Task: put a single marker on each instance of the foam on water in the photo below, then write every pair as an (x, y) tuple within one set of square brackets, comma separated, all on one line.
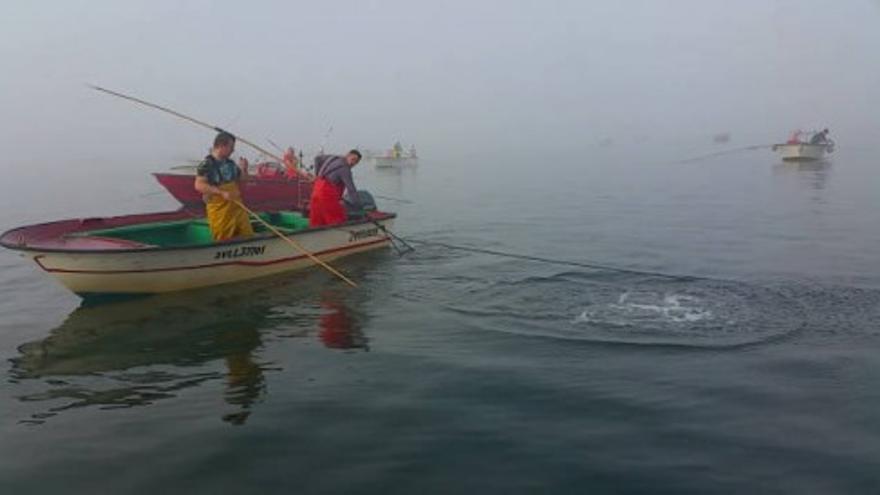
[(673, 308), (631, 310)]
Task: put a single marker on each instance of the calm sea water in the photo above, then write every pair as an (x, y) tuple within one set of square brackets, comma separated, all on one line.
[(457, 372)]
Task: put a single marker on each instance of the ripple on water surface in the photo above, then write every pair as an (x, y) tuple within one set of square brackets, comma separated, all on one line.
[(627, 309)]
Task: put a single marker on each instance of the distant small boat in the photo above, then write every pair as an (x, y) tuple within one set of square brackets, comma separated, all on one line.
[(395, 157), (391, 162), (721, 138), (171, 251)]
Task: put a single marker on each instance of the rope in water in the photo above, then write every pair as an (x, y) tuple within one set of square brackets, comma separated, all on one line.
[(725, 152), (552, 261)]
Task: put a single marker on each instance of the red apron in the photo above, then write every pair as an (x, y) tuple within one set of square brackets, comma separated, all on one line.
[(326, 208)]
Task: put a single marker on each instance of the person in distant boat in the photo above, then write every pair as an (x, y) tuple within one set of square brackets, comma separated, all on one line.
[(820, 137), (291, 169), (217, 178), (795, 138), (269, 170), (333, 177)]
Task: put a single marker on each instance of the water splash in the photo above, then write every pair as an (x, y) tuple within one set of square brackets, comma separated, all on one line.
[(644, 307)]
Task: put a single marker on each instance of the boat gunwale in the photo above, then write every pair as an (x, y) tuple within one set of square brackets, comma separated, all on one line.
[(247, 179), (153, 248), (819, 145)]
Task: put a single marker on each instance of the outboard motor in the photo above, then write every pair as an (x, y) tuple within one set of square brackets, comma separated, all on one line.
[(367, 201)]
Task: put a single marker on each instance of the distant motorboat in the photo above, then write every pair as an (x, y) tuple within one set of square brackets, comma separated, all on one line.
[(395, 157), (391, 162)]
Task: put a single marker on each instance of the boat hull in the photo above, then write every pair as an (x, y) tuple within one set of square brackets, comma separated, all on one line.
[(389, 162), (257, 193), (151, 271), (801, 152)]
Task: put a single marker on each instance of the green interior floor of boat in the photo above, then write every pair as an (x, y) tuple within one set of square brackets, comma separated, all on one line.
[(195, 231)]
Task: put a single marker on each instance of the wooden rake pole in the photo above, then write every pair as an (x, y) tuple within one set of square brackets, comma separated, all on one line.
[(194, 121), (297, 245)]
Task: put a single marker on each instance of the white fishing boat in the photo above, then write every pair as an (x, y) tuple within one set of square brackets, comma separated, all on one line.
[(391, 162), (172, 251), (800, 148), (395, 157), (802, 151)]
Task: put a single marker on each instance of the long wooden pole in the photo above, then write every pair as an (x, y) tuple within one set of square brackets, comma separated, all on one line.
[(297, 245), (192, 120)]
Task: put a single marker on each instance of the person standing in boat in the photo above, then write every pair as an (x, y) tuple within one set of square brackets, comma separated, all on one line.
[(291, 166), (820, 137), (333, 177), (795, 137), (217, 178)]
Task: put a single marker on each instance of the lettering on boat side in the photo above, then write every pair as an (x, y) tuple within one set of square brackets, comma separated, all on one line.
[(240, 252), (354, 235)]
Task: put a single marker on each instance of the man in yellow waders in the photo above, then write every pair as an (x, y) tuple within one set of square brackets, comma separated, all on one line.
[(217, 179)]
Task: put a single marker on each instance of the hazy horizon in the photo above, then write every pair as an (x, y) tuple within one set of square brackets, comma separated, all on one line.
[(450, 78)]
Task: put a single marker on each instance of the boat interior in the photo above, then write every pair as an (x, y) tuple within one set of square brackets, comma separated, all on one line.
[(192, 232)]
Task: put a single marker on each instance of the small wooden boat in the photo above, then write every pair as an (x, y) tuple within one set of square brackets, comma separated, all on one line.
[(260, 192), (170, 251), (801, 146), (803, 151)]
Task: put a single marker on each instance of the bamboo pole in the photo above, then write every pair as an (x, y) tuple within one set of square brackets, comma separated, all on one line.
[(194, 121), (297, 245)]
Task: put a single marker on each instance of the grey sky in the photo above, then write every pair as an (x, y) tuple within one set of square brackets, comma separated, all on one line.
[(442, 75)]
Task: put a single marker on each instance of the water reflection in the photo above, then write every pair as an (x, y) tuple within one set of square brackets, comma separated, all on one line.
[(339, 328), (813, 174), (136, 353)]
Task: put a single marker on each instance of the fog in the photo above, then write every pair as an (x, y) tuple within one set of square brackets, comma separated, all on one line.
[(453, 78)]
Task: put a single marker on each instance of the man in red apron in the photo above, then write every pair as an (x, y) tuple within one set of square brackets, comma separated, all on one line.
[(333, 179)]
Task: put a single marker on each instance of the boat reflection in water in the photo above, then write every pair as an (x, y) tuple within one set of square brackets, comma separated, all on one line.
[(814, 175), (338, 328), (138, 352)]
